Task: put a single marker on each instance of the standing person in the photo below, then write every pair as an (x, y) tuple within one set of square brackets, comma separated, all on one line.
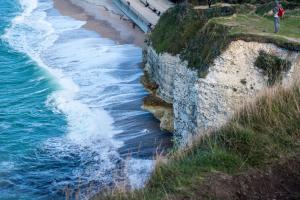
[(276, 17), (209, 3)]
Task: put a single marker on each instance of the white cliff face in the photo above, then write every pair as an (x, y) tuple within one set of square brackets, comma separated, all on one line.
[(202, 104), (161, 69)]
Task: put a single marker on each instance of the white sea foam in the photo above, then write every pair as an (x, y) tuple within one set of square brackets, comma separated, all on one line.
[(32, 34), (138, 171), (85, 66), (27, 6)]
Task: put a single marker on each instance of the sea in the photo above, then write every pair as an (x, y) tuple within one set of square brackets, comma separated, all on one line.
[(71, 123)]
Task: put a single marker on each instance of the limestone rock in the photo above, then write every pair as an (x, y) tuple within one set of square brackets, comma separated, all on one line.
[(202, 104)]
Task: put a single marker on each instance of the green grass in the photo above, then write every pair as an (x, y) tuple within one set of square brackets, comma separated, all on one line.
[(260, 134), (255, 24), (206, 45)]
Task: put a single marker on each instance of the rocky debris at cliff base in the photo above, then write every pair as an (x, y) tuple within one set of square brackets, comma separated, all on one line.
[(161, 110)]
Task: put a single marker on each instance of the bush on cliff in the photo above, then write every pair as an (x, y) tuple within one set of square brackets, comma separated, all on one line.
[(179, 25), (206, 46), (272, 66)]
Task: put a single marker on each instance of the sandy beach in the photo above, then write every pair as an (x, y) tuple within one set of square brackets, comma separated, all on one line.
[(104, 18)]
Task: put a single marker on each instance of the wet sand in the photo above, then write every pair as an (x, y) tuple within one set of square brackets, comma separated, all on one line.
[(104, 18)]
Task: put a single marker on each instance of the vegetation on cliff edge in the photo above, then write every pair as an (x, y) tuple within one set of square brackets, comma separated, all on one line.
[(199, 35), (250, 146)]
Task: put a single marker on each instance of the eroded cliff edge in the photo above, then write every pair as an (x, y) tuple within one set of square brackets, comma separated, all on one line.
[(189, 103), (202, 104)]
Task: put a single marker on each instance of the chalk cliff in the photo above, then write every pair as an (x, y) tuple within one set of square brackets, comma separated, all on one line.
[(203, 104)]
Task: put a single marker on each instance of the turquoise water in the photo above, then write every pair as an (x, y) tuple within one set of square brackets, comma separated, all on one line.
[(25, 120), (70, 116)]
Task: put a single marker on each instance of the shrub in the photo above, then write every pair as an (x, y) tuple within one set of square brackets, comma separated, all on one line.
[(272, 66), (206, 46), (179, 25)]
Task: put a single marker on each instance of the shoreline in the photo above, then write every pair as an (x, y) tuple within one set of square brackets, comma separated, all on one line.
[(104, 18)]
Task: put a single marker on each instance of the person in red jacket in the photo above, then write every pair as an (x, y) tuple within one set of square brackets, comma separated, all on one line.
[(278, 12)]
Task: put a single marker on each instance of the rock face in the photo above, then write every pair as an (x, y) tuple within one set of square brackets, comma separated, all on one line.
[(164, 114), (203, 104), (161, 110)]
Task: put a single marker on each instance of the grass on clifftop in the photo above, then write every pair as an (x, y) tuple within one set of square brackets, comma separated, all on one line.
[(264, 25), (200, 35), (262, 134)]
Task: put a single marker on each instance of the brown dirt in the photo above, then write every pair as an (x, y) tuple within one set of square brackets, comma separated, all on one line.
[(280, 181)]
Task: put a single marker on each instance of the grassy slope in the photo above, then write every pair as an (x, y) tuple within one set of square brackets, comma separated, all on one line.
[(261, 134)]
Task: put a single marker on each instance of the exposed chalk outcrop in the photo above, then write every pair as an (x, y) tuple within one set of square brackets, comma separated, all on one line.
[(202, 104)]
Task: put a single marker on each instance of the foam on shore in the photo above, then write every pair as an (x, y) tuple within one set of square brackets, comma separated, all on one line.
[(85, 68)]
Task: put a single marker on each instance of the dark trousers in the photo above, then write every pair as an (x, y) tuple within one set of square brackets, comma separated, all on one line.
[(276, 24), (209, 3)]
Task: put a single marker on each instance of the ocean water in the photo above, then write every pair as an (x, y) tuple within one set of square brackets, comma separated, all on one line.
[(70, 116)]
